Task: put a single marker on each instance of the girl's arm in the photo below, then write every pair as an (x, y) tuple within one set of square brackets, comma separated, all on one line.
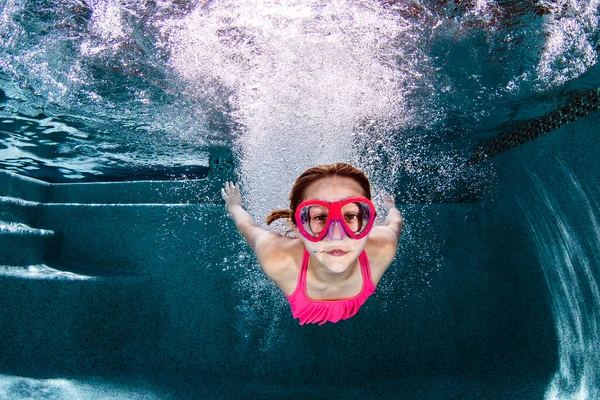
[(394, 220), (270, 248), (243, 221), (383, 240)]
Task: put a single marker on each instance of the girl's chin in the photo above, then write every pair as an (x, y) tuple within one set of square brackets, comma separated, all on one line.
[(336, 267)]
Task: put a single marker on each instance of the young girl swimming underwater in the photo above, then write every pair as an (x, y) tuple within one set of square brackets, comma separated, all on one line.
[(337, 258)]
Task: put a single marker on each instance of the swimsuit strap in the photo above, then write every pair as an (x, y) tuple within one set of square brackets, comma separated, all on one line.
[(303, 271), (365, 268)]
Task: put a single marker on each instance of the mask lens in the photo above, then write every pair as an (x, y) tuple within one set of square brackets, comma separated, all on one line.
[(357, 216), (313, 219)]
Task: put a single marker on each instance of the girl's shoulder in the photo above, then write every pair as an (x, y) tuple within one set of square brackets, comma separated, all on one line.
[(280, 258)]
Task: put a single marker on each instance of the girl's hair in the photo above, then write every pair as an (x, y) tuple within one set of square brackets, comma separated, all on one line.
[(312, 175)]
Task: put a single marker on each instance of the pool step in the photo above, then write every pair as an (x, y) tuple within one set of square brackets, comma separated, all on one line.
[(17, 210), (57, 317), (193, 191), (21, 244)]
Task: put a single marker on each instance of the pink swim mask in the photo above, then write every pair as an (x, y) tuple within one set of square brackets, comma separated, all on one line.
[(317, 218)]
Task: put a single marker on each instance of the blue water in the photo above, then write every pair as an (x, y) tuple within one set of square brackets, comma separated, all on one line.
[(494, 292)]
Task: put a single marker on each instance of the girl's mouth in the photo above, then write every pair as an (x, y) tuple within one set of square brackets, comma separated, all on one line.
[(337, 252)]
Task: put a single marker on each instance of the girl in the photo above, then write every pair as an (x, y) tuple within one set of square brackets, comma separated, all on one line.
[(337, 258)]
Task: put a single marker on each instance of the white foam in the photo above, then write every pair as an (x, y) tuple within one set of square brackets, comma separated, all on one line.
[(571, 30), (303, 77)]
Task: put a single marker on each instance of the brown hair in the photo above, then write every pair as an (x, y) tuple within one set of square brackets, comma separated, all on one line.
[(312, 175)]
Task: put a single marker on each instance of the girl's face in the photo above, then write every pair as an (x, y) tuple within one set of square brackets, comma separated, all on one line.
[(335, 252)]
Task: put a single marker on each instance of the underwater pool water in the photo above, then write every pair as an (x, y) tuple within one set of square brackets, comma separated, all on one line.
[(122, 277)]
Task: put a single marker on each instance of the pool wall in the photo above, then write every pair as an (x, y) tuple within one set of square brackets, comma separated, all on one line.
[(85, 269), (152, 277)]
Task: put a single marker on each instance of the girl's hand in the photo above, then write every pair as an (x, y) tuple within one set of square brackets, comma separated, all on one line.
[(388, 201), (231, 195)]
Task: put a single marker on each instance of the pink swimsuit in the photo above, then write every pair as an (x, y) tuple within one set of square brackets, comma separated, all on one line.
[(320, 311)]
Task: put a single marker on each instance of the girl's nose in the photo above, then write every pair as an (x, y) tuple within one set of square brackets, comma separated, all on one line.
[(336, 231)]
